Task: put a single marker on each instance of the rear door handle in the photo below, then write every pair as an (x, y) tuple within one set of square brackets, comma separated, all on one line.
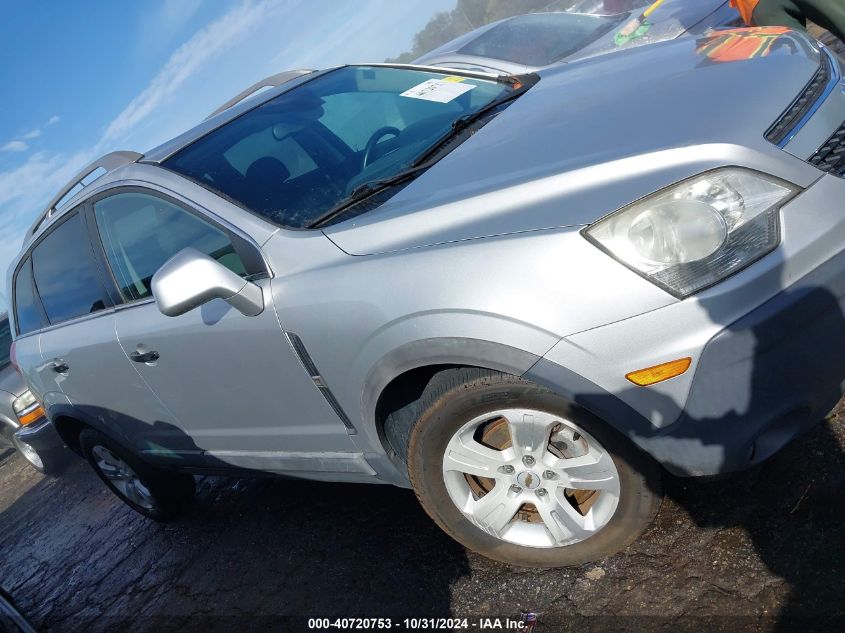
[(60, 366), (144, 357)]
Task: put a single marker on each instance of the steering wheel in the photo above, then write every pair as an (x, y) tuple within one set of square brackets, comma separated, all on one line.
[(379, 134)]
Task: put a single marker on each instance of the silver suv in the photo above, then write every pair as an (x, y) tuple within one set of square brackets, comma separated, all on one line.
[(522, 296)]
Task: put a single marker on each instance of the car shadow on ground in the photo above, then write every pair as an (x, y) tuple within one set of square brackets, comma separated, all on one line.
[(251, 550), (792, 510), (780, 366), (245, 552)]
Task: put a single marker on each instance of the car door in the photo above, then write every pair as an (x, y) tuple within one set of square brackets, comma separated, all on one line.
[(233, 382), (80, 354)]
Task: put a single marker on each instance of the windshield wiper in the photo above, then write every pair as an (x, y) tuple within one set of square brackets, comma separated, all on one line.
[(462, 123), (366, 190), (424, 160)]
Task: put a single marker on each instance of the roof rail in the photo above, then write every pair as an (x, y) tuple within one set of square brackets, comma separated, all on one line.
[(109, 162), (272, 81)]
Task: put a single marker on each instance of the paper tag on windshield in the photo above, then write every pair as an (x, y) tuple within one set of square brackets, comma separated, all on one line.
[(440, 90)]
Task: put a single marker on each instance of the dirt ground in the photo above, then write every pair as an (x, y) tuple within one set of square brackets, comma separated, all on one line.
[(761, 551)]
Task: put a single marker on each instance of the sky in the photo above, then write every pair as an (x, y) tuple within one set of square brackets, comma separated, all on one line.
[(79, 79)]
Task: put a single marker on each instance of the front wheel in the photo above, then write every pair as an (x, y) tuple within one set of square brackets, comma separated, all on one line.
[(514, 472), (156, 494)]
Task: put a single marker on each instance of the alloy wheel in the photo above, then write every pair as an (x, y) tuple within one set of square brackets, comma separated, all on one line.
[(531, 478), (122, 477)]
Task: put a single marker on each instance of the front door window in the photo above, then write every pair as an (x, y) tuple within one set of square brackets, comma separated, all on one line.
[(140, 232)]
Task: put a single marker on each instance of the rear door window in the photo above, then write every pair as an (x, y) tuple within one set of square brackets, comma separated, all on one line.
[(140, 232), (27, 313), (66, 274)]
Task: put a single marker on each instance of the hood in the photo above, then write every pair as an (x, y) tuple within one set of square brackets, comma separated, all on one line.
[(593, 136)]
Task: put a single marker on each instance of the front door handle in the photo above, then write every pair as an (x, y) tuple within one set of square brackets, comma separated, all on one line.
[(144, 357), (60, 366)]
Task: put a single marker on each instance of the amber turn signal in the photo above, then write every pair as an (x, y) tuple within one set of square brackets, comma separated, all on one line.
[(32, 416), (659, 373), (27, 408)]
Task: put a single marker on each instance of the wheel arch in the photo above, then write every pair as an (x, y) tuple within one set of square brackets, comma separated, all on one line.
[(70, 421), (69, 429), (404, 373), (400, 376)]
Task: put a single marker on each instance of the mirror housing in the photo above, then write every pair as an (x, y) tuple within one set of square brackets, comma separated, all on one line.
[(190, 279)]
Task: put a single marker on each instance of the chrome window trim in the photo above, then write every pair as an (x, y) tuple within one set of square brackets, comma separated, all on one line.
[(73, 321), (134, 304)]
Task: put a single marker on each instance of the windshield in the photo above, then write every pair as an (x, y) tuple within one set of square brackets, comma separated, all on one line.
[(5, 341), (540, 39), (303, 153)]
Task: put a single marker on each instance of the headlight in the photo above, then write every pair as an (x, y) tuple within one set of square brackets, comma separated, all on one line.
[(697, 232), (27, 408)]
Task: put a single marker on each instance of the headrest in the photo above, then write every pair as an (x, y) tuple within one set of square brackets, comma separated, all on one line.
[(268, 168)]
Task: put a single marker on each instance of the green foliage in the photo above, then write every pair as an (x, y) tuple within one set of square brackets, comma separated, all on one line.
[(468, 15)]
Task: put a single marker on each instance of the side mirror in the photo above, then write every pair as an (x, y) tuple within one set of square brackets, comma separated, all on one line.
[(189, 279)]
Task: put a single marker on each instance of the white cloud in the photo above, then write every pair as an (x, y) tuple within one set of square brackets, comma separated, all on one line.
[(257, 38), (165, 20), (176, 13), (18, 146), (187, 60), (14, 146), (25, 189), (42, 172)]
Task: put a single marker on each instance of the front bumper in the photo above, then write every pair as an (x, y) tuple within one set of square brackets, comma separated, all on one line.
[(760, 382), (759, 377), (41, 436), (780, 370)]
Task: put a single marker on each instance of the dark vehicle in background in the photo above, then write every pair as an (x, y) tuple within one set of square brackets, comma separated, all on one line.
[(564, 32), (23, 425)]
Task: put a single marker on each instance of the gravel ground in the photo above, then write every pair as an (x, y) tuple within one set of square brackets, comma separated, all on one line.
[(763, 551)]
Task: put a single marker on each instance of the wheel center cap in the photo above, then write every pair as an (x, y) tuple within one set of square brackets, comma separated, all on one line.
[(528, 480)]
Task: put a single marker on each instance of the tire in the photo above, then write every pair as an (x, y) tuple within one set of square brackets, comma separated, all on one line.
[(51, 463), (464, 407), (161, 495)]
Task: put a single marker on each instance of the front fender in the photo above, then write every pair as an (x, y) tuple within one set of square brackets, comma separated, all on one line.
[(439, 351), (443, 350)]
